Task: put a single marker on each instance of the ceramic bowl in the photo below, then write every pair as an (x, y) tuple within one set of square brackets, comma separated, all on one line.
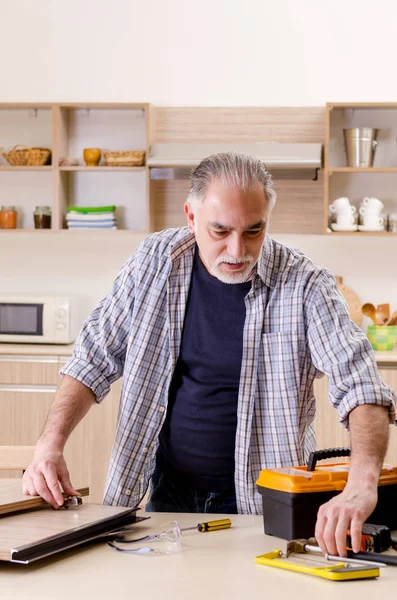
[(382, 337), (92, 156)]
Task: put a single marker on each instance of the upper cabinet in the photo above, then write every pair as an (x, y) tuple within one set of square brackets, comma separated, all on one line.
[(149, 195), (360, 169), (66, 180), (288, 140), (25, 186)]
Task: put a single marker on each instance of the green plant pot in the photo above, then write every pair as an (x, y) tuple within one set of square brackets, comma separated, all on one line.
[(382, 337)]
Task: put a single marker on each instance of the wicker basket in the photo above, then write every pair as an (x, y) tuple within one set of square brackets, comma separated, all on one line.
[(22, 156), (128, 158)]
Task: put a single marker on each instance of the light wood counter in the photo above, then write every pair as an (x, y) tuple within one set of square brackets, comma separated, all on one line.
[(218, 565), (386, 358), (37, 349), (66, 350)]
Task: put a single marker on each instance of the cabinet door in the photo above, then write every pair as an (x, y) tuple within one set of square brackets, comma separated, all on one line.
[(87, 451), (27, 389), (23, 411), (329, 432), (29, 370)]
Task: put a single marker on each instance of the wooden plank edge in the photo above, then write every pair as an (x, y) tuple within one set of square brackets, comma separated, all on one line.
[(33, 502)]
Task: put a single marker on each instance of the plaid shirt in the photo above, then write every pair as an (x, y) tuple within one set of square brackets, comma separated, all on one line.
[(297, 328)]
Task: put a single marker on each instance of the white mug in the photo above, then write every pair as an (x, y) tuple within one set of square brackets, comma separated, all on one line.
[(373, 204), (369, 210), (345, 219), (373, 221), (341, 204), (348, 210)]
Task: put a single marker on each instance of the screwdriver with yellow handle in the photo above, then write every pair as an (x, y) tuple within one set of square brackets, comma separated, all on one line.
[(210, 525), (203, 527)]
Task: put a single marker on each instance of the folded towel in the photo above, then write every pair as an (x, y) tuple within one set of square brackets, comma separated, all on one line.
[(91, 209), (75, 216), (91, 222), (91, 226), (85, 227)]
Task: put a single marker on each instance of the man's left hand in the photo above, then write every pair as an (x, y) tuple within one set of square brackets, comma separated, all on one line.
[(347, 510)]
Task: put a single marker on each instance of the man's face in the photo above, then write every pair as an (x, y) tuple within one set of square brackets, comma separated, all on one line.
[(230, 227)]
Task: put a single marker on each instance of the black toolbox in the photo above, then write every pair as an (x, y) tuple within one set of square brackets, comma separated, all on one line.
[(291, 496)]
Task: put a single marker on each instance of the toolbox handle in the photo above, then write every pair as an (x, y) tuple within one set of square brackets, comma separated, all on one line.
[(323, 454)]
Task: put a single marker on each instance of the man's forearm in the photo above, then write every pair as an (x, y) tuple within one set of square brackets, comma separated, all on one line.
[(72, 402), (369, 433), (369, 436)]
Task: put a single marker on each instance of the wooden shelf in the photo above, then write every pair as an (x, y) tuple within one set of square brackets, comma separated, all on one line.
[(68, 128), (77, 231), (93, 230), (103, 168), (22, 230), (361, 105), (331, 170), (101, 105), (363, 233), (10, 168), (145, 205), (344, 181)]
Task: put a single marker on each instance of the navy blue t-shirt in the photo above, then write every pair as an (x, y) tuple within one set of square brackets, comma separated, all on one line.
[(197, 440)]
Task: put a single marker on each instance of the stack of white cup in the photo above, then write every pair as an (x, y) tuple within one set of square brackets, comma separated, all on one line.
[(344, 215), (370, 211)]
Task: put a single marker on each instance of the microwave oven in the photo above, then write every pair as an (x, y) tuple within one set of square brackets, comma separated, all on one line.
[(38, 319)]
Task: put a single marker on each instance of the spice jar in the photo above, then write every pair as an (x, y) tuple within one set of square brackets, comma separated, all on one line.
[(393, 223), (42, 217), (8, 217)]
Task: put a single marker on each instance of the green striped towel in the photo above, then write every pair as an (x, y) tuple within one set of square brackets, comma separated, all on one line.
[(91, 209)]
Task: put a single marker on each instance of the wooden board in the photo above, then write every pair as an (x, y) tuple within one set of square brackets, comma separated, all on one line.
[(31, 535), (238, 124), (12, 499)]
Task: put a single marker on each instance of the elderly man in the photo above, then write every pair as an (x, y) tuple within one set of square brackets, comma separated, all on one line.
[(219, 333)]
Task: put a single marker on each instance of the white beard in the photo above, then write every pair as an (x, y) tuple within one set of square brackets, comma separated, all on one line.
[(238, 277)]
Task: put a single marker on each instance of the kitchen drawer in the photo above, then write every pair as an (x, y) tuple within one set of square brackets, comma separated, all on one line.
[(30, 369)]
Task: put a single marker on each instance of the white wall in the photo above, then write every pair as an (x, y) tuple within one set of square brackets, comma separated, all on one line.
[(207, 52), (86, 266)]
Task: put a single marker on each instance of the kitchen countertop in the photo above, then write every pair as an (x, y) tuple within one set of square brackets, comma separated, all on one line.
[(37, 349), (388, 358), (218, 565)]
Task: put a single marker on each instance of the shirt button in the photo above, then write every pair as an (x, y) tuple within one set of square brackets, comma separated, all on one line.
[(128, 493), (145, 450), (161, 408)]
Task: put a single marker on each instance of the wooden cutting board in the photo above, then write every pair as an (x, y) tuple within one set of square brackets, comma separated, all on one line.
[(353, 301), (12, 499)]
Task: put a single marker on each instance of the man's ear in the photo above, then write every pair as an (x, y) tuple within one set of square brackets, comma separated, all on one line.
[(190, 217)]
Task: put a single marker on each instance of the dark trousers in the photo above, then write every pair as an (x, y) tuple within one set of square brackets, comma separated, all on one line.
[(169, 494)]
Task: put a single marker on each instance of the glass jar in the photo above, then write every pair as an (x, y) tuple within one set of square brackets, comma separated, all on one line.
[(393, 222), (8, 217), (42, 217)]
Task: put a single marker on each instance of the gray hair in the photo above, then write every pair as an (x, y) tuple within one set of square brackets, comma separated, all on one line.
[(240, 171)]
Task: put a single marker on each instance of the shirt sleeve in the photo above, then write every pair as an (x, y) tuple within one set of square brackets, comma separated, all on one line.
[(99, 352), (341, 350)]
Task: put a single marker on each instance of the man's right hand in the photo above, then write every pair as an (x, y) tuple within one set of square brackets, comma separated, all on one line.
[(45, 476)]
